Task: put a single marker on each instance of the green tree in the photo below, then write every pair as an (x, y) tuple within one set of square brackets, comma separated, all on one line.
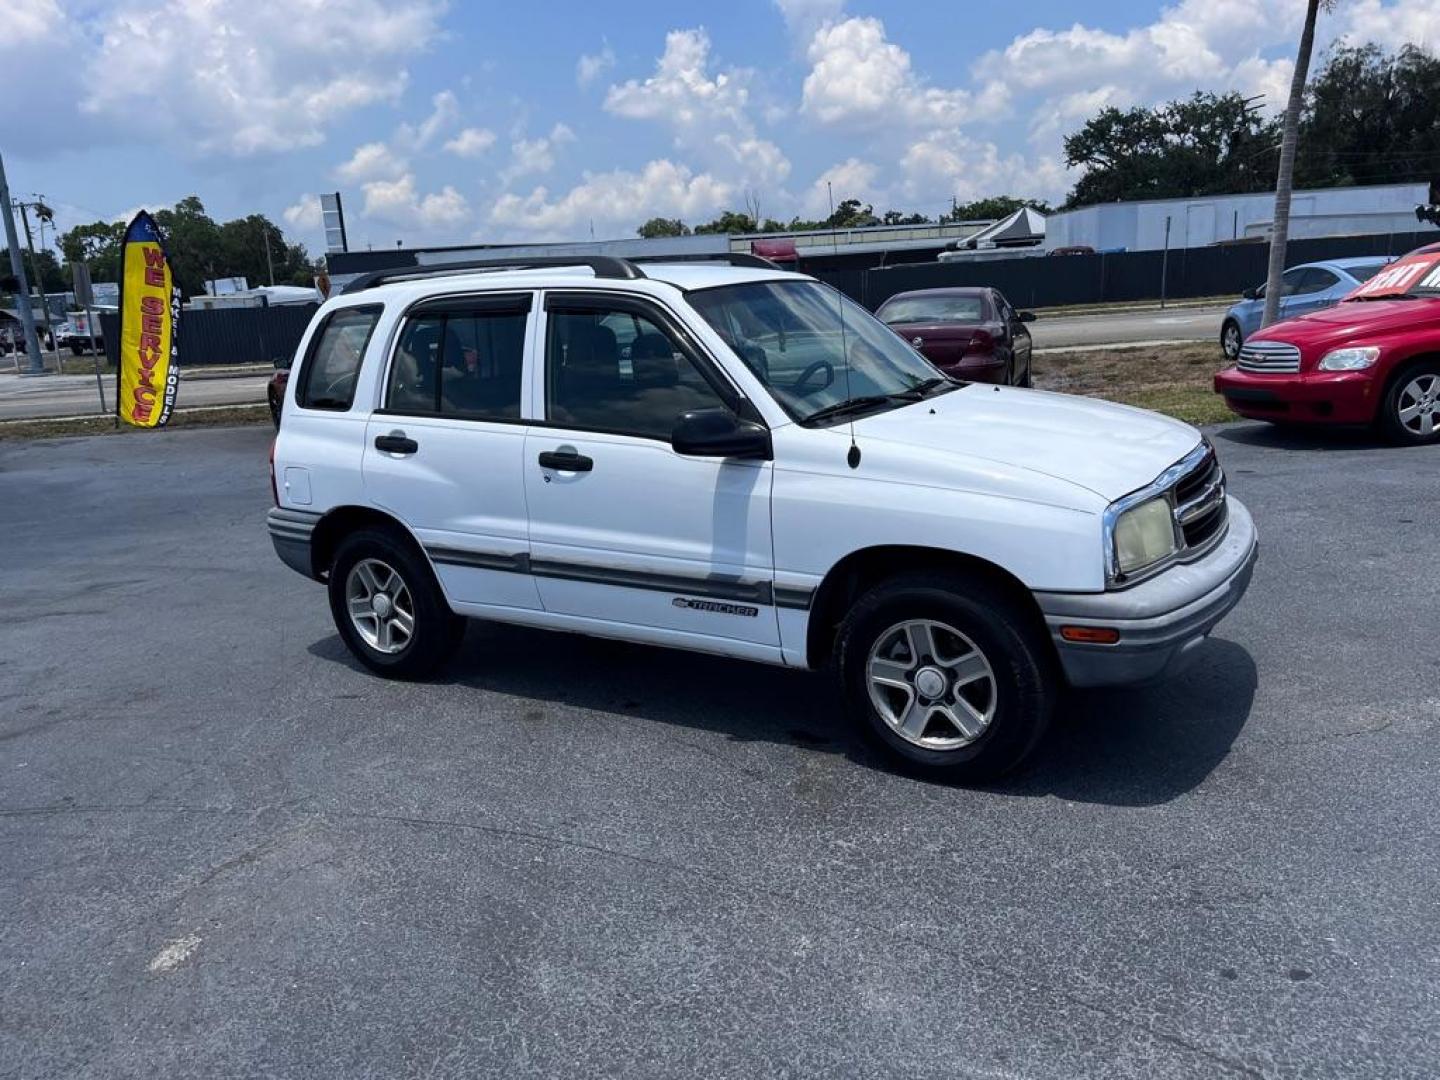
[(1204, 144), (731, 221), (96, 244), (993, 208), (896, 217), (659, 226), (1369, 118), (851, 214)]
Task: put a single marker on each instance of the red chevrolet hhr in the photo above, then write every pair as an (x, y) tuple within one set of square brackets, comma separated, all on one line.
[(1373, 358)]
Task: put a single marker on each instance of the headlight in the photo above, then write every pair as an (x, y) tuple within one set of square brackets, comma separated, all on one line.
[(1349, 359), (1144, 534)]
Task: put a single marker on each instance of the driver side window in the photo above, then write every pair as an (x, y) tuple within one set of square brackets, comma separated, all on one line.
[(333, 366), (592, 384)]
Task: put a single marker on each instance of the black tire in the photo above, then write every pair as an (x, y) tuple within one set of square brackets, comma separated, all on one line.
[(274, 408), (77, 350), (1028, 379), (1021, 662), (1400, 391), (1231, 339), (436, 629)]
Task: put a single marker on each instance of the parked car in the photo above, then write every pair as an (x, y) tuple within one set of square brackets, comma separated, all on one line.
[(968, 333), (779, 478), (1372, 359), (275, 390), (1303, 289)]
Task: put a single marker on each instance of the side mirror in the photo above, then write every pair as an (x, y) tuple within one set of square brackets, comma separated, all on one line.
[(720, 433), (1027, 316), (1250, 294)]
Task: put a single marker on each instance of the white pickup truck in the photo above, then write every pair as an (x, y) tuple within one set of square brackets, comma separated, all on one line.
[(733, 459)]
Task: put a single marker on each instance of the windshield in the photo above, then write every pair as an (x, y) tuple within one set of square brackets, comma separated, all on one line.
[(1365, 271), (1416, 275), (933, 309), (815, 349)]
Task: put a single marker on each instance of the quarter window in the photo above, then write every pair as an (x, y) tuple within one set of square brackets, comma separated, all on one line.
[(334, 364), (460, 363), (641, 388)]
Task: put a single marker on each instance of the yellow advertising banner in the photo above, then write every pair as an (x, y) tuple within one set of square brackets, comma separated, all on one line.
[(149, 328)]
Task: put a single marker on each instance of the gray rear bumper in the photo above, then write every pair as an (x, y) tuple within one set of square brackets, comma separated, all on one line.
[(1161, 621), (290, 532)]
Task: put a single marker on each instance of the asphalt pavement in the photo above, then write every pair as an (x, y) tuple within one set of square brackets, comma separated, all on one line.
[(1129, 327), (23, 397), (228, 851)]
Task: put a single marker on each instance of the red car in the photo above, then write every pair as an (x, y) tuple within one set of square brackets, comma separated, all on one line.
[(968, 333), (275, 392), (1373, 358)]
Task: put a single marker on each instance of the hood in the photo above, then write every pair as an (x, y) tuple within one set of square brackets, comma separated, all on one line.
[(1108, 449), (1354, 320)]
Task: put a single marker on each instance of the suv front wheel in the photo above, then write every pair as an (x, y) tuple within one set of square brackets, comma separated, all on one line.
[(948, 674), (388, 606)]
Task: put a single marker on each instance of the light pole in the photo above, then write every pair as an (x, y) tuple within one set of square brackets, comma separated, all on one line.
[(17, 267), (35, 263)]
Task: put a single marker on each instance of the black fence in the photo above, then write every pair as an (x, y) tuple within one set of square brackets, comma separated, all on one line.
[(249, 335), (1058, 280)]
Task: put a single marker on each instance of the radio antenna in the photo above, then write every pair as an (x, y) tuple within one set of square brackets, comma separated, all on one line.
[(852, 458)]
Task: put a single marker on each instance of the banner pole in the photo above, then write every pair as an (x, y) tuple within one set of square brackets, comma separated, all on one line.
[(95, 354)]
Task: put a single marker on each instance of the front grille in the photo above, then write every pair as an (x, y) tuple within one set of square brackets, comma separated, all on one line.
[(1199, 501), (1269, 358)]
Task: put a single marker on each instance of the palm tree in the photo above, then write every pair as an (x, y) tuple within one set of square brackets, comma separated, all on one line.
[(1280, 227)]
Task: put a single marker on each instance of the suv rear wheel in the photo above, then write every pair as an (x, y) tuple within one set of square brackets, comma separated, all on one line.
[(1410, 412), (948, 674), (388, 606)]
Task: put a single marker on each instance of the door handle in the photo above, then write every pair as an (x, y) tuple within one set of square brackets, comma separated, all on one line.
[(396, 443), (565, 461)]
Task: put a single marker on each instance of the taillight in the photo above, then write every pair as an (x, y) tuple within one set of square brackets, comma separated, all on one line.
[(274, 489), (980, 342)]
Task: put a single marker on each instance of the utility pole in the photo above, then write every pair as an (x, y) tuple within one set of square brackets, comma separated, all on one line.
[(265, 231), (1165, 262), (17, 267), (35, 269)]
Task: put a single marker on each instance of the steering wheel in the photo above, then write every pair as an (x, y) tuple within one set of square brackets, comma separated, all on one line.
[(804, 377)]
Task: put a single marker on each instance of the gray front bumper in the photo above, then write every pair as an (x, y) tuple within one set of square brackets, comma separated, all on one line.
[(1161, 621)]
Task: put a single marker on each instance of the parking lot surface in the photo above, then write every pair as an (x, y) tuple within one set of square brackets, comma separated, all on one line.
[(227, 851)]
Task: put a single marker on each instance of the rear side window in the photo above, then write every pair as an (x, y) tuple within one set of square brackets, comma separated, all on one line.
[(459, 361), (333, 366)]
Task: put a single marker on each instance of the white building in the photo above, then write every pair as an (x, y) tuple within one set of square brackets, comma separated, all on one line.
[(1212, 219)]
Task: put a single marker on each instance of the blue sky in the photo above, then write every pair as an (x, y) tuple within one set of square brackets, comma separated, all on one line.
[(452, 122)]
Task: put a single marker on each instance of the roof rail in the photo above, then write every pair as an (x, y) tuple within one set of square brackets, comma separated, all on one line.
[(734, 258), (605, 266)]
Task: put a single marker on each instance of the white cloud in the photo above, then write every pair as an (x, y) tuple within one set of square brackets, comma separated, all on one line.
[(707, 111), (243, 79), (472, 142), (530, 157), (949, 164), (304, 214), (616, 202), (369, 161), (849, 179), (591, 66), (1392, 26), (861, 80), (397, 202), (444, 114), (804, 17)]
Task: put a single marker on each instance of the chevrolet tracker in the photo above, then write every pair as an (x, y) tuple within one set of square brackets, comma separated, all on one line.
[(729, 458)]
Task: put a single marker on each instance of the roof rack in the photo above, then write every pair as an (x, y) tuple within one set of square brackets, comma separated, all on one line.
[(734, 258), (605, 266)]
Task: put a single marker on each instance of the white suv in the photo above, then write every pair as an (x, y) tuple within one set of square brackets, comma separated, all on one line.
[(733, 459)]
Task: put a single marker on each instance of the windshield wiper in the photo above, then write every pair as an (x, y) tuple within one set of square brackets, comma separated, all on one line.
[(849, 405), (920, 389)]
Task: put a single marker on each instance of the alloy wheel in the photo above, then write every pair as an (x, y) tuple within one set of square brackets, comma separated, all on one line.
[(1418, 405), (931, 684), (1230, 341), (381, 608)]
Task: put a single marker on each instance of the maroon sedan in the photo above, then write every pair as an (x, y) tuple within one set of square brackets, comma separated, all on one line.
[(968, 333)]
